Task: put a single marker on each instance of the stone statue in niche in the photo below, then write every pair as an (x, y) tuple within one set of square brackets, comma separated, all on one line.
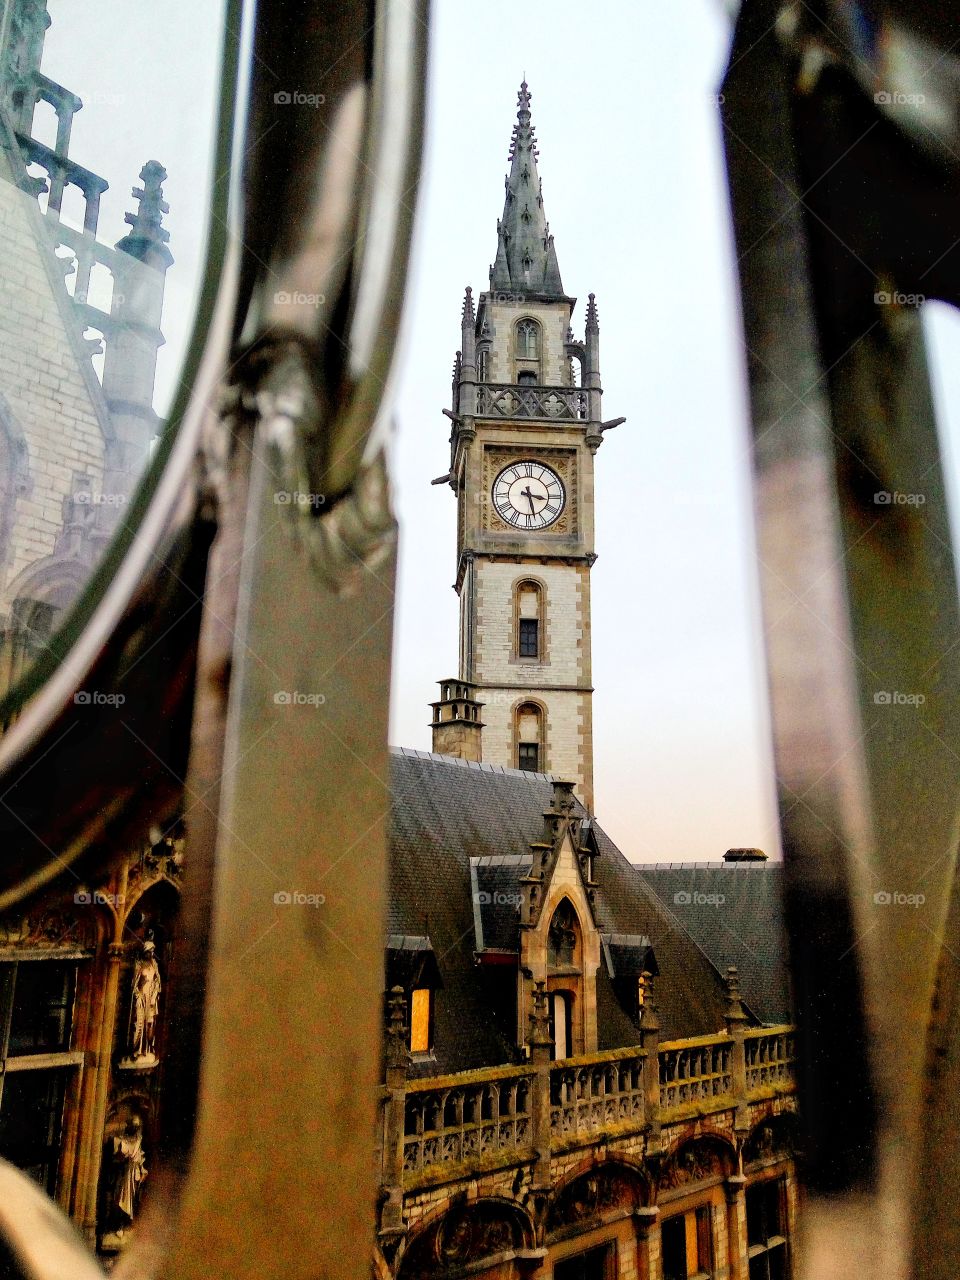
[(144, 1010), (127, 1172)]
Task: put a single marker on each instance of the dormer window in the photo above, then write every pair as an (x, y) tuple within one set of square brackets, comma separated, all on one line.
[(412, 966), (562, 938), (421, 1020)]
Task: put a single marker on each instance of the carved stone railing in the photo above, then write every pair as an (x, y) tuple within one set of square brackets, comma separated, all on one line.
[(556, 404), (478, 1120), (463, 1118), (770, 1056), (695, 1070), (596, 1092)]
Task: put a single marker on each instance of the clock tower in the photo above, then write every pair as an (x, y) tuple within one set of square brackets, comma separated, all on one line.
[(526, 427)]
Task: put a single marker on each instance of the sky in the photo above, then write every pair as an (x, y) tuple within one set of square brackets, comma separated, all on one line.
[(624, 104)]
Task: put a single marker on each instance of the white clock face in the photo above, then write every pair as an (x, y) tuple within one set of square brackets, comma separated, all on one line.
[(528, 495)]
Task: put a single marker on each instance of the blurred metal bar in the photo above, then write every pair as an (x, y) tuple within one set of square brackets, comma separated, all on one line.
[(839, 215)]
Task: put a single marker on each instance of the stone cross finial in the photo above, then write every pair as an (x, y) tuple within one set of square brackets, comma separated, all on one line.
[(735, 1010), (397, 1054), (540, 1018), (649, 1021), (146, 225)]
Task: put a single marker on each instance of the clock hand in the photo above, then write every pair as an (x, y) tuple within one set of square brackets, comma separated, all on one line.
[(529, 497)]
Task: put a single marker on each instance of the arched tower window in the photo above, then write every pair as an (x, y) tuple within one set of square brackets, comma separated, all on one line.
[(528, 621), (483, 360), (529, 737), (528, 348)]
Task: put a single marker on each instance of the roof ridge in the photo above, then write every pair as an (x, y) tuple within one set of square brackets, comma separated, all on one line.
[(482, 766)]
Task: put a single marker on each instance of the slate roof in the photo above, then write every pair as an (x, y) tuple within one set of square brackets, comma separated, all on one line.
[(734, 910), (446, 812)]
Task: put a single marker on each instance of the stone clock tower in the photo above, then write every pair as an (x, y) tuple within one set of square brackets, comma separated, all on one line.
[(526, 426)]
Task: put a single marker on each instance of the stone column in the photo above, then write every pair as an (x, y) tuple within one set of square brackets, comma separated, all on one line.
[(647, 1221), (735, 1187), (540, 1046), (395, 1095), (97, 1094), (736, 1019), (650, 1042)]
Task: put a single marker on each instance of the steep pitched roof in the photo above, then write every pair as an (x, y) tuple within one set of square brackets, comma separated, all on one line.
[(734, 911), (446, 812)]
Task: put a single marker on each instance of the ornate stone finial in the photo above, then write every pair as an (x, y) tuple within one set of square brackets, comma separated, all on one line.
[(593, 319), (147, 235), (649, 1020), (468, 312), (540, 1036), (735, 1010), (397, 1054)]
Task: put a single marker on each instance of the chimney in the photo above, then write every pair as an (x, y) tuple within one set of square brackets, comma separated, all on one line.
[(745, 855), (456, 721)]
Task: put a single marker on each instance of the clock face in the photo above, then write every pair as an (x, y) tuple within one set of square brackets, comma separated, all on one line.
[(528, 495)]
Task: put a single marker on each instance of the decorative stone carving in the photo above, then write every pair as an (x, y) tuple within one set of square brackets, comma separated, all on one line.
[(144, 1010), (127, 1171), (771, 1140), (695, 1162), (592, 1195), (47, 926), (462, 1238)]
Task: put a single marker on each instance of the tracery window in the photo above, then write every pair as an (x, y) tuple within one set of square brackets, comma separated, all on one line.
[(563, 936), (528, 340)]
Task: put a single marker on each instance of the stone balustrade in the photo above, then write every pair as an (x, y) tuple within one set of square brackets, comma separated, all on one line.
[(510, 400), (488, 1118)]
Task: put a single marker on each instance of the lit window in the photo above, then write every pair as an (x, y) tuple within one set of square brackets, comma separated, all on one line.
[(560, 1024), (686, 1245), (421, 1011)]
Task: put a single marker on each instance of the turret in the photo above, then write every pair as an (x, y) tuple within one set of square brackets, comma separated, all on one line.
[(456, 721)]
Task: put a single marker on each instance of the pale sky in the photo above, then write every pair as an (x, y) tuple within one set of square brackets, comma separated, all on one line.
[(630, 157)]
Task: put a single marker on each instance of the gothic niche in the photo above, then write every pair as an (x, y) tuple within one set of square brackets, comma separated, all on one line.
[(590, 1197), (562, 937), (151, 922), (696, 1162), (464, 1236), (124, 1172)]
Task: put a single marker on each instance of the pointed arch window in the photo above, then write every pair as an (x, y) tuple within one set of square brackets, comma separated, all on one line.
[(561, 1024), (528, 340), (563, 937), (529, 737)]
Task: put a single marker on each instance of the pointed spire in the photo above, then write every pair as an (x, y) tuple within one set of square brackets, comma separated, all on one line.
[(526, 260), (468, 313), (593, 319)]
